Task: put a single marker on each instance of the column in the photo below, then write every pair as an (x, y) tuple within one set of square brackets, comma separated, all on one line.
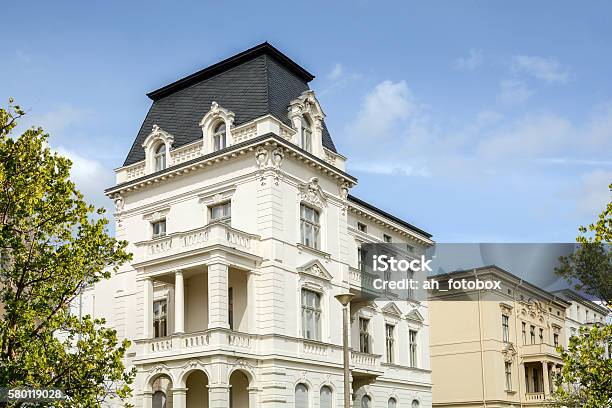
[(148, 308), (252, 396), (545, 379), (179, 397), (218, 396), (217, 295), (179, 302), (251, 304), (147, 399)]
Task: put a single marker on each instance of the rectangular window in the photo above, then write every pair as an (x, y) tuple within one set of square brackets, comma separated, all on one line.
[(362, 227), (508, 367), (364, 335), (160, 318), (532, 334), (159, 228), (230, 307), (556, 339), (221, 212), (506, 328), (360, 263), (524, 333), (390, 342), (387, 238), (311, 315), (307, 139), (309, 225), (219, 140), (412, 337), (541, 336)]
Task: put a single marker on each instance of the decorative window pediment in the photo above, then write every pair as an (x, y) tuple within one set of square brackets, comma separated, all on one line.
[(216, 116), (306, 117), (316, 270), (158, 140), (312, 193), (415, 316), (392, 309), (156, 215)]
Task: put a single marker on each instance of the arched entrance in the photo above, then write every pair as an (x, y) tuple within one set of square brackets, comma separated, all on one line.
[(197, 389), (161, 391), (239, 390)]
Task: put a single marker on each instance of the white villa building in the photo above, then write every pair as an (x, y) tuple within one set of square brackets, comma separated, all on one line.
[(236, 207)]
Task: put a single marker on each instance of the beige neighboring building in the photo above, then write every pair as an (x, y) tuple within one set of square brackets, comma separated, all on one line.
[(494, 348)]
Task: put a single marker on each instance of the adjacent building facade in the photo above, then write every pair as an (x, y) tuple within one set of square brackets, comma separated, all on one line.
[(497, 348), (236, 206)]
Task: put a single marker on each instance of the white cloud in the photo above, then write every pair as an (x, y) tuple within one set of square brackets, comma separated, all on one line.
[(513, 91), (546, 69), (336, 72), (57, 120), (387, 105), (388, 168), (593, 192), (470, 62), (90, 177)]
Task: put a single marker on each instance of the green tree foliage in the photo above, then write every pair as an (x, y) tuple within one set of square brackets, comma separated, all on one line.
[(589, 268), (586, 376), (53, 244)]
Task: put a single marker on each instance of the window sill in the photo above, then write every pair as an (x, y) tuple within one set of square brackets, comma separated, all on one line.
[(305, 248), (512, 392)]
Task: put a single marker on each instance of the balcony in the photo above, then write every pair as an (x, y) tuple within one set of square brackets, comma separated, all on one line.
[(534, 352), (534, 396), (366, 363), (361, 280), (210, 235), (187, 343)]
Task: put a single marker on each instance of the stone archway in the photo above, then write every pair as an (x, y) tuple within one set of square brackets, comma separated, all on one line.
[(196, 383), (239, 389), (159, 392)]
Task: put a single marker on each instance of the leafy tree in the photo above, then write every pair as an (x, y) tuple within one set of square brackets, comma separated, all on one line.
[(586, 376), (52, 245), (589, 268)]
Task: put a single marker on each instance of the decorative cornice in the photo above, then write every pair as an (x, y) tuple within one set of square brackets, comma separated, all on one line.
[(232, 152)]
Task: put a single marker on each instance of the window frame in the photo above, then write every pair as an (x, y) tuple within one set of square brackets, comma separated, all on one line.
[(505, 328), (160, 161), (306, 134), (155, 225), (219, 137), (311, 313), (225, 218), (508, 375), (163, 317), (413, 345), (364, 335), (310, 226), (390, 343)]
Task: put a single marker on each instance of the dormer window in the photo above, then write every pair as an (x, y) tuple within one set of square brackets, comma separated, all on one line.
[(160, 157), (219, 137), (306, 135)]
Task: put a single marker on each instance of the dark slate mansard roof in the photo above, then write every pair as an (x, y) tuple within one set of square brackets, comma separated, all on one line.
[(254, 83)]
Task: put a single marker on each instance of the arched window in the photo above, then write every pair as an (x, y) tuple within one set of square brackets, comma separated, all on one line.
[(219, 136), (301, 396), (366, 401), (416, 404), (160, 157), (392, 403), (159, 399), (306, 135), (326, 397)]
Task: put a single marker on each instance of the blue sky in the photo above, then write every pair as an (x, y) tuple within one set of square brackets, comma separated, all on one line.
[(477, 121)]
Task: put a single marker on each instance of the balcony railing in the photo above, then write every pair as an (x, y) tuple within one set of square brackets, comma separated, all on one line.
[(365, 361), (194, 342), (216, 233), (535, 396), (541, 349), (361, 279)]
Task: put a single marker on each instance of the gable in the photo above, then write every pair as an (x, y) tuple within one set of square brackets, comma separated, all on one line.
[(316, 270)]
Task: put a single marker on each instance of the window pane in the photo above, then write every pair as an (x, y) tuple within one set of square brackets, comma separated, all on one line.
[(366, 402), (301, 396), (392, 403), (326, 397)]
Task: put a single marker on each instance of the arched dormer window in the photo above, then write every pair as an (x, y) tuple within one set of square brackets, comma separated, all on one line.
[(306, 134), (157, 150), (219, 136), (160, 157)]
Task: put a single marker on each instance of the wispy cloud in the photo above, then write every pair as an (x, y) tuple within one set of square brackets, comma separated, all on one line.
[(513, 91), (546, 69), (592, 192), (336, 72), (473, 60)]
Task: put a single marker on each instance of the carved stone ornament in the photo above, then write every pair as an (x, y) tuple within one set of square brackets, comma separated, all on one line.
[(269, 163), (119, 204), (509, 353), (312, 193), (344, 191)]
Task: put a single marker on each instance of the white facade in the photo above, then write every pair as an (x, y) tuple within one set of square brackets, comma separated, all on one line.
[(581, 313), (280, 345)]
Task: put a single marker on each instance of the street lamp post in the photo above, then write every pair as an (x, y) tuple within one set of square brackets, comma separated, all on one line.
[(344, 300)]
